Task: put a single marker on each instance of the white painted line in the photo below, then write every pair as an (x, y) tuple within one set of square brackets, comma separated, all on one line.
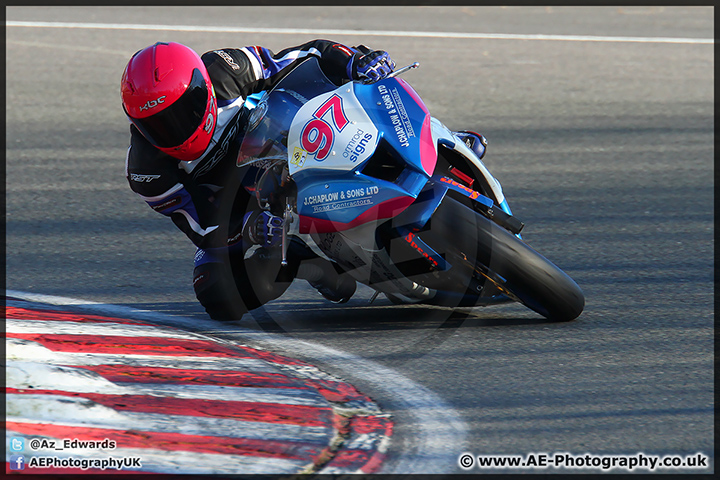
[(366, 33), (26, 375), (438, 431), (89, 328), (278, 396), (54, 300), (29, 351), (80, 412), (439, 434)]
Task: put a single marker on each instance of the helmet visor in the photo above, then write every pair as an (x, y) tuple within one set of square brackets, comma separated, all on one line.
[(178, 122)]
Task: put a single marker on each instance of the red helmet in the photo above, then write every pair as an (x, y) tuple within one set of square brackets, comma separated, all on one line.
[(168, 96)]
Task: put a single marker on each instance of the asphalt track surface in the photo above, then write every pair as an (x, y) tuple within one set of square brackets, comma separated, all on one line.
[(604, 149)]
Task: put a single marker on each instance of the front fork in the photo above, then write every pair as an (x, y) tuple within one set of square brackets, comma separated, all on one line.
[(274, 193), (287, 220)]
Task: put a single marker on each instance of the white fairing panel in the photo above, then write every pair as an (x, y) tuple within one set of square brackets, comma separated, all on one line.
[(331, 131), (441, 131)]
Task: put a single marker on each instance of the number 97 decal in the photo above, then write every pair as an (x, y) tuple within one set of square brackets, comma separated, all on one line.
[(318, 136)]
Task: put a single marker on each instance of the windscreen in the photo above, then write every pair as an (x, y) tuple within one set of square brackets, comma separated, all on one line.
[(269, 122)]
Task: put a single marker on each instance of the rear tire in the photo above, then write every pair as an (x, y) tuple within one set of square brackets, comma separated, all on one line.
[(528, 276)]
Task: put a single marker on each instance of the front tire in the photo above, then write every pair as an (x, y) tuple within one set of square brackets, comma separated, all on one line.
[(510, 264)]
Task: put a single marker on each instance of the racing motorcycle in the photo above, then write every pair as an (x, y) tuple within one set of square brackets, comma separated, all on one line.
[(369, 179)]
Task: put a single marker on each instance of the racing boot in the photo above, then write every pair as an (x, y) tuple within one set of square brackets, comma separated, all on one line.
[(328, 279), (476, 142)]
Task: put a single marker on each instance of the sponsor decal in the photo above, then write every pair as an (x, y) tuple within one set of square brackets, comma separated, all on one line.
[(333, 105), (209, 123), (398, 115), (168, 204), (143, 178), (325, 197), (410, 239), (228, 59), (471, 193), (153, 103), (357, 145), (344, 49), (298, 157), (331, 201), (199, 279), (362, 202), (222, 149), (318, 136)]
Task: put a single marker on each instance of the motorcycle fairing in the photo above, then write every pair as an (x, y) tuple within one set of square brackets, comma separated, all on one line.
[(419, 213), (445, 137), (394, 103), (330, 132), (332, 155)]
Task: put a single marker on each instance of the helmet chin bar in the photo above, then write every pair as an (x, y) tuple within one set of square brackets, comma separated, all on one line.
[(167, 93), (206, 130)]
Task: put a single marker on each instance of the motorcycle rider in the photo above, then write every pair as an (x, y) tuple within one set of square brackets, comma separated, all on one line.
[(187, 121)]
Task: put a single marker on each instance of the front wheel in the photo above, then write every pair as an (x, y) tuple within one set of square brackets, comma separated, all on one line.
[(501, 258)]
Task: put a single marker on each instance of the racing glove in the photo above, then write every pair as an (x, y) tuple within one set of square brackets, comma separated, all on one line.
[(370, 65), (262, 228)]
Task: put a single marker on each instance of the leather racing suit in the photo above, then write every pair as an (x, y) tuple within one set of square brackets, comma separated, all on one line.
[(190, 192)]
